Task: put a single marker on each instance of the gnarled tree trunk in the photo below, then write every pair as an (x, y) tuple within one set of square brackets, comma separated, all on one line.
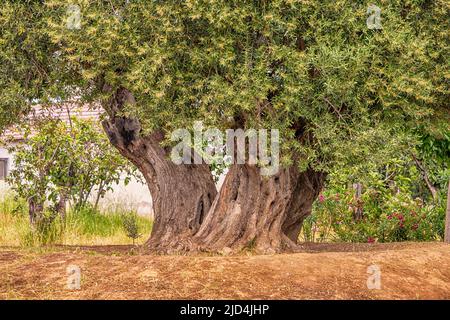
[(308, 187), (262, 213), (257, 212), (182, 194)]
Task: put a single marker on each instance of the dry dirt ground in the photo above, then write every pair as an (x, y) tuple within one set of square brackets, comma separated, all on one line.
[(326, 271)]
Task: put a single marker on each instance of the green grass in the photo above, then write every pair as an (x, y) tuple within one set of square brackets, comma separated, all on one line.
[(83, 227)]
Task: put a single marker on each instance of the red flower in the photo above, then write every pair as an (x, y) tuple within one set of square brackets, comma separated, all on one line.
[(370, 240), (321, 198)]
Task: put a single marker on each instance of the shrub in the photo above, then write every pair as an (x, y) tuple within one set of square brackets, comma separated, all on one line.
[(60, 163), (131, 226), (387, 218)]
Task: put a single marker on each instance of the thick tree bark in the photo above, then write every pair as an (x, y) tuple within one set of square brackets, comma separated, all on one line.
[(257, 212), (261, 213), (182, 194), (308, 187)]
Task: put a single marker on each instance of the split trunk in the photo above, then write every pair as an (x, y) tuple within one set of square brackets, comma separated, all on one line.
[(251, 210), (261, 213)]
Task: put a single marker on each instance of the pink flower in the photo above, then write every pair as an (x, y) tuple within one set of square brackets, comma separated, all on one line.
[(321, 198), (370, 240)]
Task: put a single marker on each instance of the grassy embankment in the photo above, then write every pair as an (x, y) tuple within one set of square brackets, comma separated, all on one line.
[(85, 227)]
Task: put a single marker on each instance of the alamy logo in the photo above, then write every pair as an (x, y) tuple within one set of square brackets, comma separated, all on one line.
[(374, 19), (208, 146), (374, 279), (73, 277), (73, 17)]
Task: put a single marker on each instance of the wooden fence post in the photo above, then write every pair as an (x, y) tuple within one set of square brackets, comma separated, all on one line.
[(358, 210)]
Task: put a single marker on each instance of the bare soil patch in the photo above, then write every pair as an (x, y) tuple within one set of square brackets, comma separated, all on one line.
[(322, 271)]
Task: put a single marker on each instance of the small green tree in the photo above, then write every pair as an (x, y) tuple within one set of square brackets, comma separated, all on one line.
[(131, 226), (58, 163)]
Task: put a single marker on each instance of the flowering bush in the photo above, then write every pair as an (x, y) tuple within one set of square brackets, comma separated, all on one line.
[(386, 217), (396, 202)]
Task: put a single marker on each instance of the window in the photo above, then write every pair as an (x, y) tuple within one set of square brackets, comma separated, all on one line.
[(3, 168)]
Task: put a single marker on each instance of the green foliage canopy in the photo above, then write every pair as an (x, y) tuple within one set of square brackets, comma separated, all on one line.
[(339, 92)]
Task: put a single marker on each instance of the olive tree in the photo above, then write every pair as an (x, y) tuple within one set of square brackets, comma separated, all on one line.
[(342, 81)]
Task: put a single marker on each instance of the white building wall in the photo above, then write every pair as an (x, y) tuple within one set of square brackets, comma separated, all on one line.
[(134, 196), (4, 154)]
